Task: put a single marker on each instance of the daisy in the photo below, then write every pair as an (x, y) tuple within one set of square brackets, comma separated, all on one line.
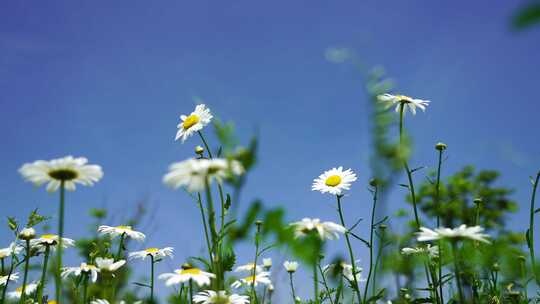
[(68, 170), (347, 271), (325, 230), (248, 268), (185, 274), (197, 120), (267, 263), (461, 233), (12, 277), (125, 231), (408, 103), (84, 268), (109, 265), (27, 233), (50, 240), (12, 249), (334, 181), (260, 278), (194, 174), (155, 253), (99, 301), (290, 266), (17, 293), (220, 297), (431, 251)]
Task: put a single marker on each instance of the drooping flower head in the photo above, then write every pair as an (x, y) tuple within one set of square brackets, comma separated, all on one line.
[(154, 252), (125, 231), (187, 273), (194, 174), (197, 120), (220, 297), (86, 269), (68, 170), (262, 277), (17, 293), (407, 102), (334, 181), (460, 233), (50, 240), (325, 230)]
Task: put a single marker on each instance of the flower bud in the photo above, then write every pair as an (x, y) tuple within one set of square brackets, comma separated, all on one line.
[(267, 263), (27, 234), (477, 201), (199, 150), (440, 146)]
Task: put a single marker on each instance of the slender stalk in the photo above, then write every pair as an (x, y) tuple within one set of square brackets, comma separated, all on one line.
[(370, 243), (151, 279), (57, 278), (191, 291), (11, 268), (292, 286), (85, 288), (264, 295), (120, 246), (42, 282), (531, 230), (213, 234), (438, 205), (254, 271), (325, 284), (339, 289), (315, 284), (351, 254), (3, 266), (523, 269), (457, 272), (26, 266), (206, 237), (205, 144)]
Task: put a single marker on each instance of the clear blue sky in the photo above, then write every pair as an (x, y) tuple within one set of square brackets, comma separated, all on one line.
[(108, 80)]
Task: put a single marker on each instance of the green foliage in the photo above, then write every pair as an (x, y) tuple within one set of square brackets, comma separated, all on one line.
[(527, 16)]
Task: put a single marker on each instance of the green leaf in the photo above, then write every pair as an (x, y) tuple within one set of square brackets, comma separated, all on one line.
[(527, 16), (12, 223), (360, 239), (380, 294), (35, 218), (537, 210), (142, 284), (228, 202), (229, 258)]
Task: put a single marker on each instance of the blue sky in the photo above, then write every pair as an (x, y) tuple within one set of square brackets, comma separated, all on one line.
[(109, 80)]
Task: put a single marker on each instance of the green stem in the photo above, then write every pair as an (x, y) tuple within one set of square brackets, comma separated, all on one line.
[(315, 284), (457, 272), (120, 246), (85, 289), (213, 234), (57, 278), (530, 236), (254, 271), (377, 261), (12, 266), (42, 282), (370, 243), (26, 266), (205, 144), (339, 289), (292, 286), (191, 291), (438, 206), (151, 278), (351, 254), (207, 238), (325, 283)]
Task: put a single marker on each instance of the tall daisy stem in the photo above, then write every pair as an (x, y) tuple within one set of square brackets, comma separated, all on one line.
[(315, 284), (207, 238), (438, 206), (375, 192), (351, 253), (191, 291), (530, 236), (325, 284), (457, 272), (57, 278), (42, 282), (254, 271), (151, 279), (291, 282), (120, 246), (213, 235), (85, 289), (11, 268), (26, 266)]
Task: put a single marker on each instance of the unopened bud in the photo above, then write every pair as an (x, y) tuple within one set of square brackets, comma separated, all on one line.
[(27, 233), (199, 150), (441, 146), (477, 201)]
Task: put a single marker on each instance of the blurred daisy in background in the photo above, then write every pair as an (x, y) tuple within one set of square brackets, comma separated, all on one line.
[(13, 277), (197, 120), (408, 103), (68, 170), (154, 252), (17, 293), (290, 266), (431, 251), (259, 278), (125, 231), (50, 240), (109, 265), (248, 268), (86, 269), (12, 249), (460, 233), (334, 181), (325, 230)]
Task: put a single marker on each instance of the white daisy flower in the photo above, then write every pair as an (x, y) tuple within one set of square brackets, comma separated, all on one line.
[(462, 232), (27, 233), (220, 297), (260, 278), (195, 173), (290, 266), (431, 251), (347, 270), (197, 120), (84, 268), (99, 301), (109, 265), (325, 230), (12, 249), (185, 274), (50, 240), (68, 169), (334, 181), (12, 277), (156, 253), (267, 263), (408, 103), (17, 293), (248, 268), (125, 231)]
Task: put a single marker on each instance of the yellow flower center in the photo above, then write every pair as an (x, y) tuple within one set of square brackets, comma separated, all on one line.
[(403, 98), (123, 227), (51, 302), (63, 174), (191, 271), (152, 250), (333, 180), (250, 279), (49, 236), (190, 121), (19, 289)]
